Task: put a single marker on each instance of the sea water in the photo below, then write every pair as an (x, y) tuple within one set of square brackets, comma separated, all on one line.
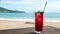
[(54, 16)]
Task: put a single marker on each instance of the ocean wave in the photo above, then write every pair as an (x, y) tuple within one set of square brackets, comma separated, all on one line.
[(17, 19)]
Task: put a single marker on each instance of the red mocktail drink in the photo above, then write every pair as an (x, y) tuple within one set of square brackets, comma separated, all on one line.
[(38, 21)]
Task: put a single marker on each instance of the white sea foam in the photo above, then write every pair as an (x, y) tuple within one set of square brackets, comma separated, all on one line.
[(17, 19), (29, 20), (51, 20)]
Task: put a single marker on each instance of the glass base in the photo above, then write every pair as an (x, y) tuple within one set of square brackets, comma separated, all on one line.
[(38, 32)]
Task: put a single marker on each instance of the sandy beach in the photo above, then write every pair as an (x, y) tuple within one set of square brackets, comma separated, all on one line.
[(9, 24), (51, 27)]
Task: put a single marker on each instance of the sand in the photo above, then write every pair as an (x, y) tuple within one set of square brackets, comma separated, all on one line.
[(26, 27), (9, 24)]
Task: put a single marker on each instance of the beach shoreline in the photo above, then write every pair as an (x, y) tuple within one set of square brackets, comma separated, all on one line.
[(45, 20)]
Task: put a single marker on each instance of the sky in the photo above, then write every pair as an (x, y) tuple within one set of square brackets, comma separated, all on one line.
[(31, 5)]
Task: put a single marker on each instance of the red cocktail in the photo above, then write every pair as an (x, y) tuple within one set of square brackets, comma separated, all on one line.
[(39, 21)]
